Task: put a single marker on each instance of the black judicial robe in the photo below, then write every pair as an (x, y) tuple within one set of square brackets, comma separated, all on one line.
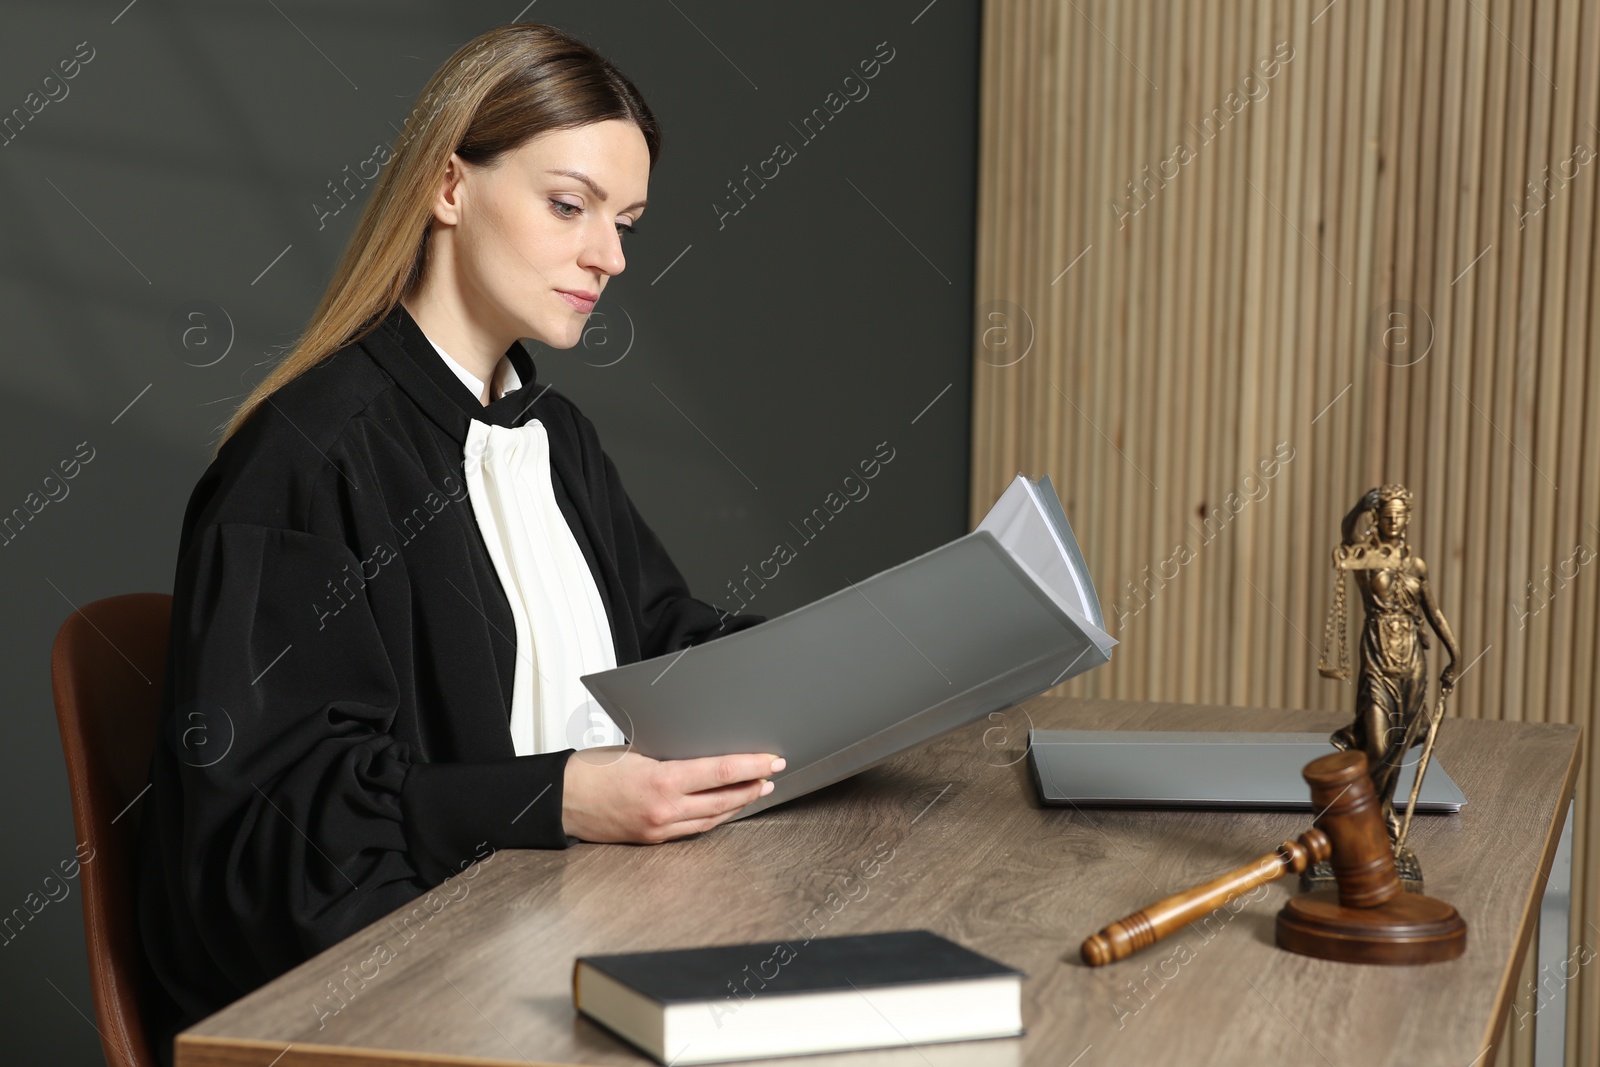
[(336, 714)]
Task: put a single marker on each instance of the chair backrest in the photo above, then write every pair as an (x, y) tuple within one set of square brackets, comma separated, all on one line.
[(107, 667)]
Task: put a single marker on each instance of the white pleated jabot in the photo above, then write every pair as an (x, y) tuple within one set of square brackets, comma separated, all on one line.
[(562, 630)]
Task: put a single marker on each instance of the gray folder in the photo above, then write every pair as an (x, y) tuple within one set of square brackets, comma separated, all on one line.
[(1157, 769), (862, 674)]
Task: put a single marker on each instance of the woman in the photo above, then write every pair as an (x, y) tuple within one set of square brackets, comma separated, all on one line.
[(1392, 686), (406, 552)]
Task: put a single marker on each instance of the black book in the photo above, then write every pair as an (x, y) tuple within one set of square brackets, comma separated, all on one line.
[(785, 998)]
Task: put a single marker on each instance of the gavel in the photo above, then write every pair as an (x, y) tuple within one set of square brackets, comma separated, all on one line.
[(1371, 920)]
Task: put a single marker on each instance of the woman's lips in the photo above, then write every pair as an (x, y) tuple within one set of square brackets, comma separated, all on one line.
[(579, 302)]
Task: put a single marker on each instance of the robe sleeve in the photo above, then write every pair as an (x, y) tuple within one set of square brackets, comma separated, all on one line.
[(670, 618), (303, 818)]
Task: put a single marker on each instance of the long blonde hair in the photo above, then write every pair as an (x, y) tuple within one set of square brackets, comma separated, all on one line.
[(495, 93)]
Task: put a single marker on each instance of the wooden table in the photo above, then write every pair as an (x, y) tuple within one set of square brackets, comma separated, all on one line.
[(963, 848)]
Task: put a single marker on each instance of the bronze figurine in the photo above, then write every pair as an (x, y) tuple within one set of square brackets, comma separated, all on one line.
[(1392, 686)]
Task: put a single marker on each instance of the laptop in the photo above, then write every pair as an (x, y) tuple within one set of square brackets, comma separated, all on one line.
[(1222, 770)]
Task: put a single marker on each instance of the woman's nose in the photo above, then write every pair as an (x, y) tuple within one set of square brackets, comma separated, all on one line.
[(604, 253)]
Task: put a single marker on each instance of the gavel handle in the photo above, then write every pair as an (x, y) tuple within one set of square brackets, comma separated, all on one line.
[(1149, 925)]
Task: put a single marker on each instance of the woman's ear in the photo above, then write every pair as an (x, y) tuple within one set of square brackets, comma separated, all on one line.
[(451, 192)]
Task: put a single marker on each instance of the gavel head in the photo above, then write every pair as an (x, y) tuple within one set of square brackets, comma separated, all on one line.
[(1362, 857), (1373, 920)]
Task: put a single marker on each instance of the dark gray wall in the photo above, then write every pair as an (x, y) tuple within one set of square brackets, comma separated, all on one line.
[(831, 314)]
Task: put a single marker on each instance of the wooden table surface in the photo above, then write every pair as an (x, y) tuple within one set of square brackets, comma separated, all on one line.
[(958, 843)]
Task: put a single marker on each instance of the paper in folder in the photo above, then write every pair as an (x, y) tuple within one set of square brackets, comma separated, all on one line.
[(982, 623)]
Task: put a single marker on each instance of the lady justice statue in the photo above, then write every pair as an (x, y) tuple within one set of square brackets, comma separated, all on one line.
[(1392, 686)]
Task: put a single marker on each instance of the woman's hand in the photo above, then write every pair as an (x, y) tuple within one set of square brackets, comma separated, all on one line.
[(644, 801)]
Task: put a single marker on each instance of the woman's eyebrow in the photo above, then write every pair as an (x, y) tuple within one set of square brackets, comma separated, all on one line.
[(599, 192)]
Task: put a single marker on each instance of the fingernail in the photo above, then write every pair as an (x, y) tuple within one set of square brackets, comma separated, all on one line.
[(779, 763), (767, 787)]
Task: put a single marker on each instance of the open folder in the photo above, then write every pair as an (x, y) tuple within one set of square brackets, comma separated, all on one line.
[(982, 623)]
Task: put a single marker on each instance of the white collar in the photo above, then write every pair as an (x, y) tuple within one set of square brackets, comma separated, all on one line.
[(511, 380)]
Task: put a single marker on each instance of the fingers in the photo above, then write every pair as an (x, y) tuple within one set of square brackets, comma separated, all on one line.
[(688, 796), (726, 799), (695, 826), (709, 772), (672, 818)]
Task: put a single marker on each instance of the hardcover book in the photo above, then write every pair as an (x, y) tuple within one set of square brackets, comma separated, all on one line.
[(728, 1002)]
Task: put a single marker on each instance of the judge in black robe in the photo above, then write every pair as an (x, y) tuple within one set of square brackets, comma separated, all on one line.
[(336, 735)]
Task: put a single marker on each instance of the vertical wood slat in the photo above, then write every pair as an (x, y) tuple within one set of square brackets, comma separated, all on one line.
[(1484, 609), (1464, 133), (1169, 377), (1117, 418), (1299, 288), (1223, 568), (1230, 304), (1563, 360)]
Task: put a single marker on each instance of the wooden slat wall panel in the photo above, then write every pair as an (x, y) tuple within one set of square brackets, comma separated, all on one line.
[(1189, 314)]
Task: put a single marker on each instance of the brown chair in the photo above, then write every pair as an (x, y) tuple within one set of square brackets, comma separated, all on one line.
[(107, 667)]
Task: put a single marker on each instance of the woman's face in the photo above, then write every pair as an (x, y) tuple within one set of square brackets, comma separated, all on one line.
[(532, 228), (1392, 520)]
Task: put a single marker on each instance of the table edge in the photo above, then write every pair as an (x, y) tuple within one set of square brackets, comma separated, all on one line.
[(1530, 909)]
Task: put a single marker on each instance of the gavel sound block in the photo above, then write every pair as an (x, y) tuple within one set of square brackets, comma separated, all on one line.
[(1369, 919)]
